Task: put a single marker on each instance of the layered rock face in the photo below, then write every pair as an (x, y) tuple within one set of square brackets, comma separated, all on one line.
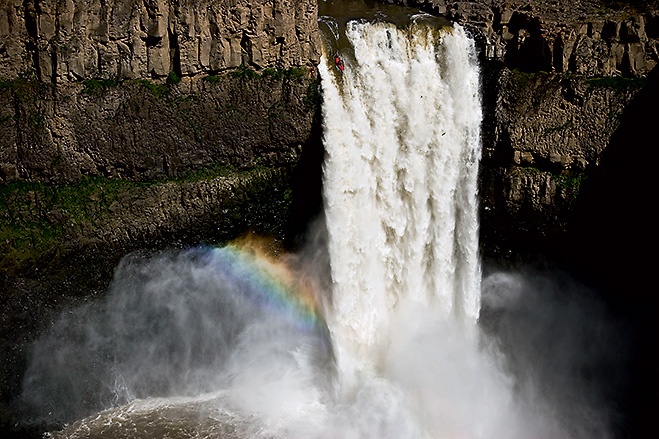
[(588, 37), (68, 40), (544, 135), (143, 130), (74, 101)]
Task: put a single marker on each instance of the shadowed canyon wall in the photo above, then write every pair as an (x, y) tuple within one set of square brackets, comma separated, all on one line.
[(93, 93), (146, 90)]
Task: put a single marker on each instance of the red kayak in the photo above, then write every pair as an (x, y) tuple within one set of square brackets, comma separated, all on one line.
[(339, 63)]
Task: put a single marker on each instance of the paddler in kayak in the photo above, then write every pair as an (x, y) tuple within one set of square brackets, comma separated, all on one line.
[(338, 62)]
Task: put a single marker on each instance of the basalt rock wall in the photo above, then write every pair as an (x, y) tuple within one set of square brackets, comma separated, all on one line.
[(147, 89), (587, 37), (144, 130), (69, 40), (127, 125)]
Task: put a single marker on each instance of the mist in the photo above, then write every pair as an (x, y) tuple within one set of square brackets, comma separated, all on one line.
[(566, 350), (186, 339)]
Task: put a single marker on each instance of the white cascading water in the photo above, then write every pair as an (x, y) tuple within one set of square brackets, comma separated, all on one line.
[(402, 141)]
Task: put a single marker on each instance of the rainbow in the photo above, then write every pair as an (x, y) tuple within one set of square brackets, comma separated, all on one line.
[(267, 279)]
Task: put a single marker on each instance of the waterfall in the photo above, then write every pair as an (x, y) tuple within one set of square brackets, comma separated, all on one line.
[(402, 140), (240, 342)]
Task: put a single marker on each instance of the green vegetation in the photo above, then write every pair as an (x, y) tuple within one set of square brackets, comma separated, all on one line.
[(158, 90), (37, 220), (29, 94), (36, 119), (271, 73), (570, 181), (245, 72), (617, 82), (295, 73), (173, 78), (26, 90), (34, 216), (213, 78), (313, 97), (521, 78), (98, 86)]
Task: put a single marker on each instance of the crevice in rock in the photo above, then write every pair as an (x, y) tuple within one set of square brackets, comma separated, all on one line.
[(246, 46), (30, 11), (151, 41), (174, 53)]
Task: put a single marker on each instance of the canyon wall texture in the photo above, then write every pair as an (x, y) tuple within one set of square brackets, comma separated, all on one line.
[(588, 37), (143, 130), (75, 78), (69, 40), (151, 123)]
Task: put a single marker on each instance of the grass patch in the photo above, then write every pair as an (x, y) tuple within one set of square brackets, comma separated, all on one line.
[(158, 90), (173, 78), (521, 78), (295, 73), (570, 181), (98, 86), (213, 78), (244, 72), (27, 90), (38, 219), (34, 217), (274, 74), (617, 82), (313, 97)]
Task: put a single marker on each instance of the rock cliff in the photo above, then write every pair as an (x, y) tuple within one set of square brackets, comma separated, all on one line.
[(146, 89), (70, 40), (127, 125), (588, 37), (544, 136), (144, 130), (107, 107)]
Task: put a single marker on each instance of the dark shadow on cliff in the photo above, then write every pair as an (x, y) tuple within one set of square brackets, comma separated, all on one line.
[(307, 202), (612, 241)]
